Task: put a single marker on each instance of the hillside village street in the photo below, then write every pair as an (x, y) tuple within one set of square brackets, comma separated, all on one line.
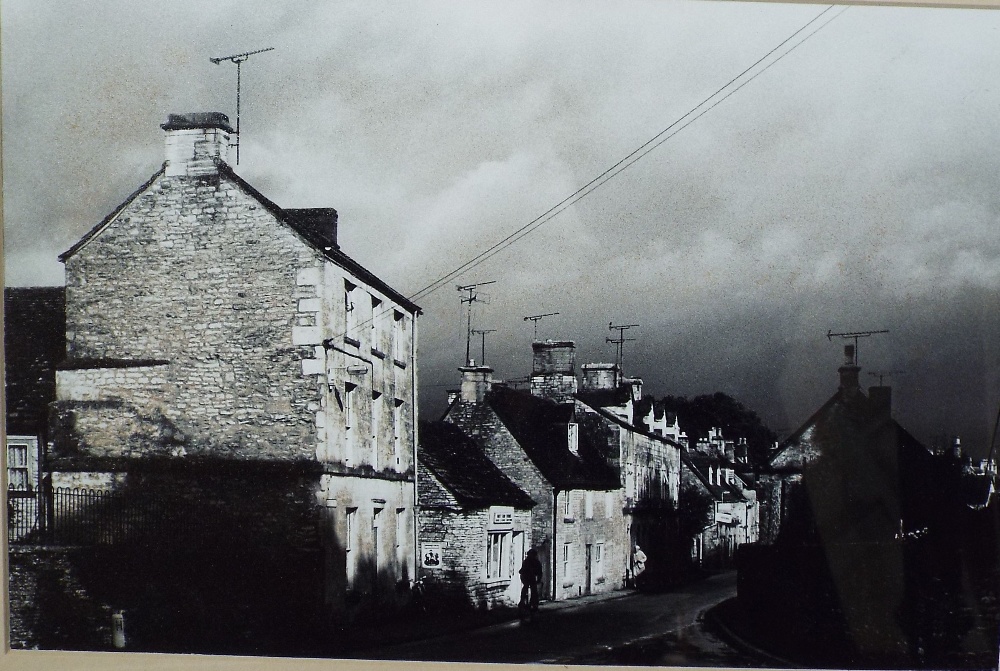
[(618, 628)]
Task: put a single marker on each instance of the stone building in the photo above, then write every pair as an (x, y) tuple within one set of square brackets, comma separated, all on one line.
[(725, 505), (222, 345), (599, 481), (474, 523)]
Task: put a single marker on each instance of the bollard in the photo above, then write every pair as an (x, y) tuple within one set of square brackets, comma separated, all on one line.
[(118, 629)]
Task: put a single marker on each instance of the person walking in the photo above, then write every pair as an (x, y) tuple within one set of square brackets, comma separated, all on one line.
[(531, 576)]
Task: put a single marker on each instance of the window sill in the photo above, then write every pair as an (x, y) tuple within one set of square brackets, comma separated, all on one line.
[(568, 584), (351, 341), (401, 364), (569, 520), (492, 582), (378, 353), (599, 581)]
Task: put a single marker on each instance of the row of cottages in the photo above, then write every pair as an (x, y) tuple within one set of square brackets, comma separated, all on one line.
[(598, 483), (719, 505), (248, 387)]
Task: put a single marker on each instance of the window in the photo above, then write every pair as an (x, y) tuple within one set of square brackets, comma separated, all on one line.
[(350, 318), (349, 392), (376, 521), (398, 324), (599, 560), (18, 466), (589, 505), (568, 506), (573, 437), (565, 559), (609, 504), (498, 555), (351, 541), (397, 425), (376, 427), (376, 332), (400, 536)]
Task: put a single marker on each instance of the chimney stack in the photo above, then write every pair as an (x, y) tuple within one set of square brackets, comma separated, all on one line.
[(599, 376), (476, 381), (849, 371), (553, 370), (195, 141), (881, 400)]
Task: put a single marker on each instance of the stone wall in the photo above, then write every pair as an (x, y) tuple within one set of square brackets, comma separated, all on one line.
[(197, 272), (580, 530)]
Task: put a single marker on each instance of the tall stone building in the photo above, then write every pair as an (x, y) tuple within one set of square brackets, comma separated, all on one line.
[(213, 334)]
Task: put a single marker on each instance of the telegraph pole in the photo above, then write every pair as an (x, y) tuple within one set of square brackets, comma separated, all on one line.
[(238, 59), (619, 344), (472, 298)]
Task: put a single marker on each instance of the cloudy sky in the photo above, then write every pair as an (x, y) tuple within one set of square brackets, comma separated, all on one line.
[(851, 186)]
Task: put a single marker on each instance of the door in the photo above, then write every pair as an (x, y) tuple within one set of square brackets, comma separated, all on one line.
[(517, 551), (590, 568)]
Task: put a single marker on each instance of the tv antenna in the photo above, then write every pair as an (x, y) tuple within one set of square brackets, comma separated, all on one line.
[(537, 318), (238, 59), (619, 343), (472, 298), (483, 332), (830, 335), (880, 374)]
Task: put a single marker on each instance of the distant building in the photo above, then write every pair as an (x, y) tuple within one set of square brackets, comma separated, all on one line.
[(224, 350), (729, 514), (474, 523)]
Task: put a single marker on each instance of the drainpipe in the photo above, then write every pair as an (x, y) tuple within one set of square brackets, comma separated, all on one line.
[(555, 513), (413, 441)]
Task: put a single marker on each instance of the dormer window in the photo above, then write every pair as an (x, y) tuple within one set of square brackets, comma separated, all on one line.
[(573, 437)]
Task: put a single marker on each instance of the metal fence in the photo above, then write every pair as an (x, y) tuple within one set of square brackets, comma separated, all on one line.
[(79, 517)]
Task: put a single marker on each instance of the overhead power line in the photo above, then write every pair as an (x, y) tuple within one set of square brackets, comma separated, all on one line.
[(630, 159)]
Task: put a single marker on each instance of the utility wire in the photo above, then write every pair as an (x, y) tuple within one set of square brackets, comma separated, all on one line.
[(626, 161)]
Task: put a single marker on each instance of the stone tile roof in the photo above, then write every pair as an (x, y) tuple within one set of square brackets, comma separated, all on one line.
[(699, 465), (539, 426), (34, 344), (459, 464)]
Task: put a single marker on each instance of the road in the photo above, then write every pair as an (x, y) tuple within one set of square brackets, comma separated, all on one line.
[(625, 628)]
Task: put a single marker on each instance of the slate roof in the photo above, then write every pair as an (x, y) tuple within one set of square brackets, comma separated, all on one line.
[(601, 398), (699, 465), (539, 426), (316, 226), (459, 464), (34, 344)]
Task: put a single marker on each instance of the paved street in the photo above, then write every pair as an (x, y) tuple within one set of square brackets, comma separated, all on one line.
[(626, 628)]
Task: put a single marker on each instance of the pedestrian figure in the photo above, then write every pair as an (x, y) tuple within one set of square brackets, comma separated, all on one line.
[(531, 575), (638, 561)]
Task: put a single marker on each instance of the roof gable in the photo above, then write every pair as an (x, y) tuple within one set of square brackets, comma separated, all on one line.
[(315, 226), (539, 427), (460, 466)]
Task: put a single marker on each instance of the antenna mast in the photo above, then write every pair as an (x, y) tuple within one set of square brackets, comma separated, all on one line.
[(238, 59), (619, 343), (880, 374), (535, 319), (830, 335), (472, 298), (483, 332)]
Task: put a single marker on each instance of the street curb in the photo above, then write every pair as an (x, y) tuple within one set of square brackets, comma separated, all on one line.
[(711, 616)]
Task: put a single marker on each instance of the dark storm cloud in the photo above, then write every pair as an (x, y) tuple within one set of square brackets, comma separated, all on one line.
[(851, 186)]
